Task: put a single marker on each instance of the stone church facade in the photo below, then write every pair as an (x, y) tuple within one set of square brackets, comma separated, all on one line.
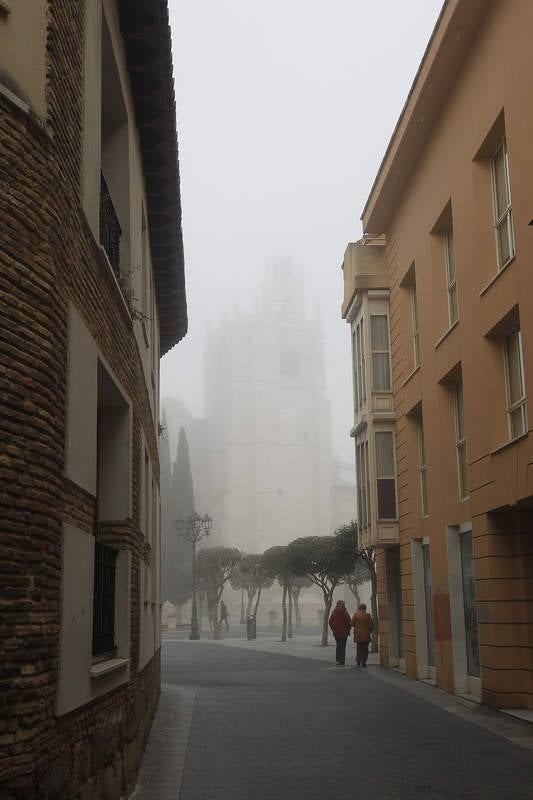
[(267, 416)]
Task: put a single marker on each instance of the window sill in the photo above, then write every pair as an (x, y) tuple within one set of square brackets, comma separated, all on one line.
[(508, 444), (110, 665), (413, 372), (495, 278), (13, 98), (444, 335)]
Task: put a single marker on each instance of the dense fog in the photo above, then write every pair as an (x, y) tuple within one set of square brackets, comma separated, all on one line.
[(284, 114)]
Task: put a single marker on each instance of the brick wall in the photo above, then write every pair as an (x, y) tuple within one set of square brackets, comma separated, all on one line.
[(48, 259)]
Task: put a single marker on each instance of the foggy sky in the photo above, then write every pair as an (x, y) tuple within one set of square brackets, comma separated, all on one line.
[(284, 111)]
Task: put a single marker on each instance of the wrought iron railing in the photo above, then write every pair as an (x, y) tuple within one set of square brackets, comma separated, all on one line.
[(104, 599), (110, 230)]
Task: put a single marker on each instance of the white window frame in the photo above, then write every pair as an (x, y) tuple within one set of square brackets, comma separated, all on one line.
[(521, 403), (359, 363), (505, 217), (381, 352), (451, 278), (354, 363), (415, 327), (363, 480), (422, 468), (460, 440)]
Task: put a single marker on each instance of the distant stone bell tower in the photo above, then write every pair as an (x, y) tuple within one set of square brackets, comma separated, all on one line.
[(268, 420)]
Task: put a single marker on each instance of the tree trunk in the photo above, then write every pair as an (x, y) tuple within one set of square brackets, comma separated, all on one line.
[(250, 602), (243, 616), (284, 613), (328, 599), (257, 602), (290, 612), (297, 612), (355, 591), (375, 617)]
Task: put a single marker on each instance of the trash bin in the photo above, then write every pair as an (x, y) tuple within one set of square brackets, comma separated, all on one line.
[(251, 628)]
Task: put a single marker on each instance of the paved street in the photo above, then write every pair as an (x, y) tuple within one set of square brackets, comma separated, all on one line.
[(255, 724)]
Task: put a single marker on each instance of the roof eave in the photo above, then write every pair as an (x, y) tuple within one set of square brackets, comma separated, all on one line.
[(448, 47), (148, 45)]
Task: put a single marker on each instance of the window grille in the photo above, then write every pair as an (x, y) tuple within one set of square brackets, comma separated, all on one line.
[(104, 599), (110, 231)]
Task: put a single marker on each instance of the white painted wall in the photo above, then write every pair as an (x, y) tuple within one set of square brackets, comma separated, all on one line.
[(82, 389), (76, 685), (23, 52)]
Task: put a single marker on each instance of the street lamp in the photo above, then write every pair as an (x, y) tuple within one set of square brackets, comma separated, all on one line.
[(193, 529)]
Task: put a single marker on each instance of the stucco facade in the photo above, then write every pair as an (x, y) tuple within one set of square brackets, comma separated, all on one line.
[(451, 207), (92, 293)]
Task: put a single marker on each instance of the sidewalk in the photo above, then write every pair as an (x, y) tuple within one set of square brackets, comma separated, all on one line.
[(164, 758), (300, 646)]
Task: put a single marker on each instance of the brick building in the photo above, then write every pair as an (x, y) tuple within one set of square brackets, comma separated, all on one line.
[(91, 295), (439, 297)]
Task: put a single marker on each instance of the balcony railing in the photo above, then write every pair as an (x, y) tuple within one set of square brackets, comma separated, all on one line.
[(110, 230)]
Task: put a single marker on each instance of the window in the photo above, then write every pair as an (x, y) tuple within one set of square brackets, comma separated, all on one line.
[(460, 442), (503, 216), (453, 311), (360, 364), (422, 469), (386, 475), (104, 600), (414, 318), (516, 395), (379, 330), (114, 161), (110, 230), (355, 364), (363, 482)]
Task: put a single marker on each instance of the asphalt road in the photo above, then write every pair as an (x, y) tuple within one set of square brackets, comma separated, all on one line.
[(267, 726)]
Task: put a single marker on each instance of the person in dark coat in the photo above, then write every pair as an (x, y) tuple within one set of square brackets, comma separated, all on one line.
[(340, 623)]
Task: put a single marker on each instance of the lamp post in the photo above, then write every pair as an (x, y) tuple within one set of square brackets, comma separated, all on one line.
[(193, 529)]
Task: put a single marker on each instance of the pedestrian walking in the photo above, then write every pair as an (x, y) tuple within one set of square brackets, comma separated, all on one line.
[(224, 614), (340, 623), (363, 625)]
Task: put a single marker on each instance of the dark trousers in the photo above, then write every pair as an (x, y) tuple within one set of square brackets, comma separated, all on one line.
[(341, 650), (361, 652)]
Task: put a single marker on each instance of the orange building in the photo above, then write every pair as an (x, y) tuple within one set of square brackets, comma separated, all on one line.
[(439, 297)]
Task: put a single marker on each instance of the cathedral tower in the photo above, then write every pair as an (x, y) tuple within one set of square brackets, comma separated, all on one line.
[(268, 420)]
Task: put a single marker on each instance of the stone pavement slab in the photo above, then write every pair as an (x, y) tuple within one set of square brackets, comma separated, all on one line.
[(272, 727)]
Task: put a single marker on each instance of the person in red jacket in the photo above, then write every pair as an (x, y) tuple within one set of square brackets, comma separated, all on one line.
[(340, 623)]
